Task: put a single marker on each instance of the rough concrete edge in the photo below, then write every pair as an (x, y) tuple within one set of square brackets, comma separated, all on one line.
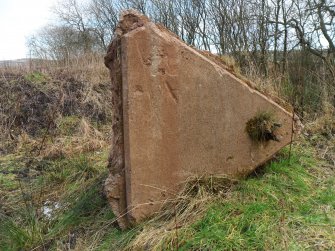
[(126, 136), (115, 183), (130, 20)]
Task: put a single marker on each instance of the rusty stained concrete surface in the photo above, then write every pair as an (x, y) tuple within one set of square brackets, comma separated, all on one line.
[(183, 115)]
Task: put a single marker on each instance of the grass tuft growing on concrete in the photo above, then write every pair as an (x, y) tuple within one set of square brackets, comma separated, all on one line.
[(262, 127)]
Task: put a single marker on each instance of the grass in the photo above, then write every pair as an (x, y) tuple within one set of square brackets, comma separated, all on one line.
[(52, 198), (55, 200), (74, 184), (287, 205), (68, 125), (53, 162), (36, 77), (262, 127)]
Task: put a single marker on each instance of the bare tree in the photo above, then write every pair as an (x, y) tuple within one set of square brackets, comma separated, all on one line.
[(56, 43), (259, 34), (315, 29), (74, 16), (166, 13), (103, 18), (140, 5)]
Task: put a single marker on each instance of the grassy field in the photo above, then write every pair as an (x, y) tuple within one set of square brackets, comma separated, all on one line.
[(289, 206), (52, 171), (60, 204)]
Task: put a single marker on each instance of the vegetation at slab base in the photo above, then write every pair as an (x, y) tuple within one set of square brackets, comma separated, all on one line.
[(289, 204), (52, 200), (285, 207)]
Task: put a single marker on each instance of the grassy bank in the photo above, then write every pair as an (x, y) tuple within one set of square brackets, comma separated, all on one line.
[(289, 204), (53, 159)]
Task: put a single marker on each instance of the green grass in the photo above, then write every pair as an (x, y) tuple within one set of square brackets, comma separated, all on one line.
[(68, 125), (116, 239), (7, 181), (287, 207), (74, 184), (36, 77)]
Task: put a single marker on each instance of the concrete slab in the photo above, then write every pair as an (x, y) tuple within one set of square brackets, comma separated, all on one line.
[(180, 114)]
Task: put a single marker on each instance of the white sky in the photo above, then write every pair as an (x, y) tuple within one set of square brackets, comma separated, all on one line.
[(19, 19)]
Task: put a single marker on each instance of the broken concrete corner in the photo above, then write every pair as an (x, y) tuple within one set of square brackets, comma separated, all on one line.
[(178, 113)]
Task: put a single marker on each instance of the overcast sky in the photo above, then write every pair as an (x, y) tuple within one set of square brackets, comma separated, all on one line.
[(19, 19)]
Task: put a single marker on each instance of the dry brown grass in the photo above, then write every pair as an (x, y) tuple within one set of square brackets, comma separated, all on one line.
[(321, 133), (37, 95), (188, 207), (86, 139), (324, 124), (89, 67)]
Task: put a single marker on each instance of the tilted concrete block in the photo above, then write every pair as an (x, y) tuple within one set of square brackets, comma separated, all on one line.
[(179, 113)]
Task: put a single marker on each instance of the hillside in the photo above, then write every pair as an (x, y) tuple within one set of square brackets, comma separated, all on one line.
[(55, 125)]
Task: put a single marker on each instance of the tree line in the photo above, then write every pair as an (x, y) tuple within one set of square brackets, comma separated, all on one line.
[(291, 41)]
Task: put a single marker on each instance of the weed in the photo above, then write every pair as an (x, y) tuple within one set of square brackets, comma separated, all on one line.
[(71, 170), (71, 190), (262, 127), (12, 236), (36, 77), (8, 181), (68, 125)]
